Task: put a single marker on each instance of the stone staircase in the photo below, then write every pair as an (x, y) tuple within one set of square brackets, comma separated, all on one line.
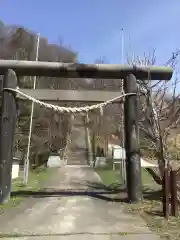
[(77, 153), (77, 157)]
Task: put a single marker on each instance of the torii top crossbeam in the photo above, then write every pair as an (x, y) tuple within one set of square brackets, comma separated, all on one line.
[(77, 70)]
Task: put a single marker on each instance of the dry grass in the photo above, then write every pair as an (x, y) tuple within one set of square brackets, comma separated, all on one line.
[(36, 178), (150, 209)]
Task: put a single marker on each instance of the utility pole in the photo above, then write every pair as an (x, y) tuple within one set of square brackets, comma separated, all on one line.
[(122, 46), (123, 165), (26, 164)]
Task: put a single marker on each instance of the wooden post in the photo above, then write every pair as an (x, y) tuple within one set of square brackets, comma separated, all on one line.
[(88, 140), (165, 188), (93, 145), (106, 146), (7, 129), (133, 167), (173, 189)]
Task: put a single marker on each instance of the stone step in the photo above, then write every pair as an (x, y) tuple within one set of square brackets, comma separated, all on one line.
[(77, 158), (80, 164), (77, 162), (79, 155)]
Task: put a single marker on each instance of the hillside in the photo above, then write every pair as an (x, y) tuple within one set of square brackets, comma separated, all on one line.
[(20, 44)]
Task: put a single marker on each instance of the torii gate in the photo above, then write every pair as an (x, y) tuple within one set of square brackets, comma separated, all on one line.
[(11, 69)]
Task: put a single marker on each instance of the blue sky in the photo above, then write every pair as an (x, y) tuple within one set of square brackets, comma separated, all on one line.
[(93, 27)]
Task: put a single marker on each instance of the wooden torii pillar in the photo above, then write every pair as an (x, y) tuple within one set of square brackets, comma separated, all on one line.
[(7, 130), (131, 117)]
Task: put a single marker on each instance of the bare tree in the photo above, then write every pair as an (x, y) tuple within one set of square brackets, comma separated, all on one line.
[(160, 108)]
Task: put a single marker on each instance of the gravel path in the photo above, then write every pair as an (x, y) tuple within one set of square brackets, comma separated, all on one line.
[(60, 216)]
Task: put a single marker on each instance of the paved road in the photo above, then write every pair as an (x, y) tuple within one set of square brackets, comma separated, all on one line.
[(72, 217)]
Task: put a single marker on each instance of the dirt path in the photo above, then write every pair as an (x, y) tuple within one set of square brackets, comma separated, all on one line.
[(73, 216)]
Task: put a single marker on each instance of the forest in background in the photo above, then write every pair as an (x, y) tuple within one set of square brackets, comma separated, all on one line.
[(49, 128)]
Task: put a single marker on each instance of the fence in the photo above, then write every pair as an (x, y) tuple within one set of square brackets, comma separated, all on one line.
[(171, 192)]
